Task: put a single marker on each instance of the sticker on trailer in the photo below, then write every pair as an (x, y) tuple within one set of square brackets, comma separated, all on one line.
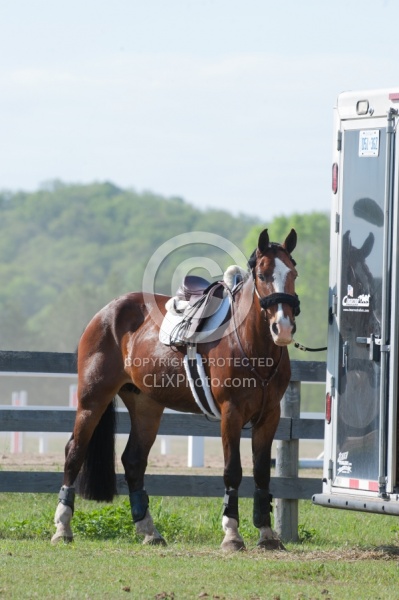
[(369, 142), (352, 304), (344, 466)]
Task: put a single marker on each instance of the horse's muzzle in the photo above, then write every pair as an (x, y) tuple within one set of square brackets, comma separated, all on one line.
[(283, 331)]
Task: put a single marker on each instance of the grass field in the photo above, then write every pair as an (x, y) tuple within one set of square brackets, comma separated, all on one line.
[(342, 555)]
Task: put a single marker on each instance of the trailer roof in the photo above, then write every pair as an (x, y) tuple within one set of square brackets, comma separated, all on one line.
[(366, 103)]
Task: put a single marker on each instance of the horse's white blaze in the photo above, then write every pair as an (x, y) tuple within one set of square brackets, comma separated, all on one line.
[(284, 323), (280, 275)]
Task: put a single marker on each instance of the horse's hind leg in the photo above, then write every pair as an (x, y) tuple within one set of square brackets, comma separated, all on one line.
[(145, 416), (93, 408)]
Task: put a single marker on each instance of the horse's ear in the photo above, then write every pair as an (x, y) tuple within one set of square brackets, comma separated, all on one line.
[(290, 241), (263, 242), (367, 245)]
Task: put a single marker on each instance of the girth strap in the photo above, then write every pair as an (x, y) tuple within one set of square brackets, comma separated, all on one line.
[(199, 384)]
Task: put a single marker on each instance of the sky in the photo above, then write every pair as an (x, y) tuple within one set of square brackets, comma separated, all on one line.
[(225, 103)]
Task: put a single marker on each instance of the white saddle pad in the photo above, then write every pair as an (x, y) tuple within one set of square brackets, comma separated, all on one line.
[(172, 320)]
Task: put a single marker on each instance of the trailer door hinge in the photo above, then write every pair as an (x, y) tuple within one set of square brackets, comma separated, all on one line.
[(332, 386), (333, 308), (334, 304), (339, 140), (337, 221), (330, 469)]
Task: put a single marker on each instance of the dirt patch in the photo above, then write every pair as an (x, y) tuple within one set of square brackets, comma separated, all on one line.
[(51, 462), (157, 463)]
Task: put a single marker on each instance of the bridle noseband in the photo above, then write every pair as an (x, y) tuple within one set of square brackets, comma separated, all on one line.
[(280, 298)]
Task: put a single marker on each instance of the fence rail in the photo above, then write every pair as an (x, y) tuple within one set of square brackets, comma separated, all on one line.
[(287, 486), (42, 419)]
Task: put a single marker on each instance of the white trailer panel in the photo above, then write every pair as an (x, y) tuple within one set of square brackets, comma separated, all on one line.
[(360, 459)]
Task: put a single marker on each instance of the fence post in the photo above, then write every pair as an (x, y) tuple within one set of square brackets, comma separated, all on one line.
[(287, 454), (17, 437), (165, 445), (195, 454)]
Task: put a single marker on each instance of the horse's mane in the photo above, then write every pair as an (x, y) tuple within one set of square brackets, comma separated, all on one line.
[(252, 260)]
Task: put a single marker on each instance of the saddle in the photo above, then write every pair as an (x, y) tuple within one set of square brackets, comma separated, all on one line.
[(192, 287), (198, 301), (198, 309)]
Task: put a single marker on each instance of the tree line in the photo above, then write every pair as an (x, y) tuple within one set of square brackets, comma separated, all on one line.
[(66, 250)]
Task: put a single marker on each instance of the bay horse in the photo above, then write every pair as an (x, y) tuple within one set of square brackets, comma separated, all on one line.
[(110, 354)]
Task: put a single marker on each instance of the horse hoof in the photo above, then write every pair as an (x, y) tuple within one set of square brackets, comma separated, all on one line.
[(57, 538), (233, 546), (151, 540), (271, 544)]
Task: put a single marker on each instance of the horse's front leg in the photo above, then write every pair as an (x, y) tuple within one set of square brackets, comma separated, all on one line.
[(231, 433), (262, 439), (145, 417)]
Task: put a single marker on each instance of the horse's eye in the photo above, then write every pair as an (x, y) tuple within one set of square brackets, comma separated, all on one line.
[(261, 277)]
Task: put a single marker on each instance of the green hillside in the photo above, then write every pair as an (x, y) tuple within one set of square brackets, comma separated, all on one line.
[(67, 250)]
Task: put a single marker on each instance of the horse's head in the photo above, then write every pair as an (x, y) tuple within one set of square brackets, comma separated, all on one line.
[(355, 271), (358, 281), (274, 275)]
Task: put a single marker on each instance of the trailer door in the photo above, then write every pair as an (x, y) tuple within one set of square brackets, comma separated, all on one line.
[(362, 308)]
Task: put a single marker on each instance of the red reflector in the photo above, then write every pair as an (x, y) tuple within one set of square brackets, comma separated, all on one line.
[(328, 407), (394, 97), (335, 178)]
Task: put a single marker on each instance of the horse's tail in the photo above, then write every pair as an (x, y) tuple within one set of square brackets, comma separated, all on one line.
[(97, 480)]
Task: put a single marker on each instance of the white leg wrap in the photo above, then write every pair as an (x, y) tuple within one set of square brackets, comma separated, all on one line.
[(62, 521)]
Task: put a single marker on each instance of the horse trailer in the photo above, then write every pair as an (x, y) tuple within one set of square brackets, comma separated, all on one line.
[(361, 467)]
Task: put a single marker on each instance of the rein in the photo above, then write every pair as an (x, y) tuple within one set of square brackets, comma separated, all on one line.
[(306, 349)]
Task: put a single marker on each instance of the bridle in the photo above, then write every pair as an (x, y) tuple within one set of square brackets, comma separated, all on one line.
[(279, 298)]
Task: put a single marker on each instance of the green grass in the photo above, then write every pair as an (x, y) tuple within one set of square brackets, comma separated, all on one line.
[(342, 555)]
